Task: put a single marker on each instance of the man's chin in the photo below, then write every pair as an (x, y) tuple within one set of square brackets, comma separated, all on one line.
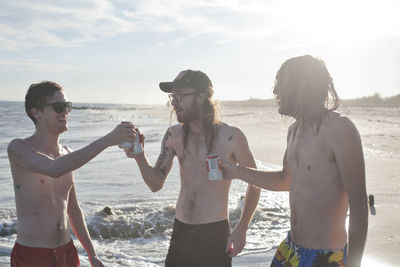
[(282, 111), (180, 118), (63, 129)]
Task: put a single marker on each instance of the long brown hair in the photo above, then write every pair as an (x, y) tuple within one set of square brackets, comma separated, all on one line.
[(306, 90), (209, 120)]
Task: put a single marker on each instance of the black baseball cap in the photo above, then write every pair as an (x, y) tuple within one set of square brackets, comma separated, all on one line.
[(188, 79)]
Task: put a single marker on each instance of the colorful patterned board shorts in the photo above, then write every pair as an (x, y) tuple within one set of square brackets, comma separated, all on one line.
[(289, 254)]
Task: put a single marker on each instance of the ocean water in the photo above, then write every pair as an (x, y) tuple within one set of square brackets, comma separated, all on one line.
[(138, 231)]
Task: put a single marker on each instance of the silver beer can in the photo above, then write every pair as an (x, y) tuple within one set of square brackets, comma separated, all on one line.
[(214, 172), (137, 146), (125, 145)]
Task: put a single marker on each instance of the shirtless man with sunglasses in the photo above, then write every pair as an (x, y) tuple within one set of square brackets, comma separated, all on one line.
[(44, 187)]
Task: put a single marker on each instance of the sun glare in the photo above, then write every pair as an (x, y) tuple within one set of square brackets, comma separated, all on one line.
[(339, 23)]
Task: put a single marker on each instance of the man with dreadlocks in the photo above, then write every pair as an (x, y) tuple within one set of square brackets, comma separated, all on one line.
[(201, 235), (323, 170)]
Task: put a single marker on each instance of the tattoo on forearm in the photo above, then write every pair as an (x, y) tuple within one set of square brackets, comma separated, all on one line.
[(17, 186)]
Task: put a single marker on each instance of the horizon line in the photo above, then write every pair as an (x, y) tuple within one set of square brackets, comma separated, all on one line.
[(219, 100)]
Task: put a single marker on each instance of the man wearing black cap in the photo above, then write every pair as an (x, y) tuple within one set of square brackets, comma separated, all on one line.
[(201, 234)]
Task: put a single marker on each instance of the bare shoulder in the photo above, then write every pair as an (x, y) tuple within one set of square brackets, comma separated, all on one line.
[(231, 133), (172, 135), (339, 123), (341, 128), (17, 145), (175, 130)]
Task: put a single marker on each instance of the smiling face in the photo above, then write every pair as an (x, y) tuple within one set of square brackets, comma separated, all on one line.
[(48, 118), (186, 107)]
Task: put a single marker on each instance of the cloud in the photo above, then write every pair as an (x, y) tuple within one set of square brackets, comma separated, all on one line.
[(57, 23), (34, 65), (25, 23)]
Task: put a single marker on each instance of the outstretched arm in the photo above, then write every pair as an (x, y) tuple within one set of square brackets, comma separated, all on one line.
[(78, 225), (346, 145), (155, 176), (271, 180), (22, 154)]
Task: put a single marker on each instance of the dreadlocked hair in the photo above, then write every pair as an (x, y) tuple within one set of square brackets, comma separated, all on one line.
[(306, 89)]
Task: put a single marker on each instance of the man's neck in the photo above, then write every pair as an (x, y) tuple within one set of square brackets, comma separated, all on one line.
[(196, 127), (45, 141)]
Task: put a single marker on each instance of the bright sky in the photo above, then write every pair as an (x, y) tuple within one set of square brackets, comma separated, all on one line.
[(117, 51)]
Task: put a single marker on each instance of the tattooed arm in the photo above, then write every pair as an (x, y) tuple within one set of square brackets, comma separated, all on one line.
[(155, 176)]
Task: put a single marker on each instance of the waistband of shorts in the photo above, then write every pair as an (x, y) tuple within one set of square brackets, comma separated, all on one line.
[(201, 225), (290, 243), (44, 251)]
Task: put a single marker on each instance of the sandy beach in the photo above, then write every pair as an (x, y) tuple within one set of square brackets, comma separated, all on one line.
[(380, 133)]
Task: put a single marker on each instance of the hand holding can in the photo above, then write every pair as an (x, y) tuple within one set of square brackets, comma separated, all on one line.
[(214, 173), (125, 145), (137, 146)]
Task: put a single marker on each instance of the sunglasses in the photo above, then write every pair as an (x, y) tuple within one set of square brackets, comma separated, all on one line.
[(178, 97), (60, 107)]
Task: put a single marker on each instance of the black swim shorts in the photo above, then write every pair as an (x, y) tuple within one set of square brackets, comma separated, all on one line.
[(199, 245)]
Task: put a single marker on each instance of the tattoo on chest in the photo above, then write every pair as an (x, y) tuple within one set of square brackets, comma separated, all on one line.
[(230, 137)]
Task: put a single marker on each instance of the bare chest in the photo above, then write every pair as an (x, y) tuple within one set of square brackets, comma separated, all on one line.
[(310, 159), (192, 161), (39, 187)]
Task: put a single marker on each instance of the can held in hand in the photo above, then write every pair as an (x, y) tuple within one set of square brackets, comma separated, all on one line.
[(125, 145), (214, 173), (137, 147)]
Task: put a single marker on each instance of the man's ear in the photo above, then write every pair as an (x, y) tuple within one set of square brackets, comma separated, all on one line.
[(35, 113)]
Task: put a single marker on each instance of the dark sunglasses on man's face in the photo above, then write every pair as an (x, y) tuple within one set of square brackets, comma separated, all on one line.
[(60, 107)]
